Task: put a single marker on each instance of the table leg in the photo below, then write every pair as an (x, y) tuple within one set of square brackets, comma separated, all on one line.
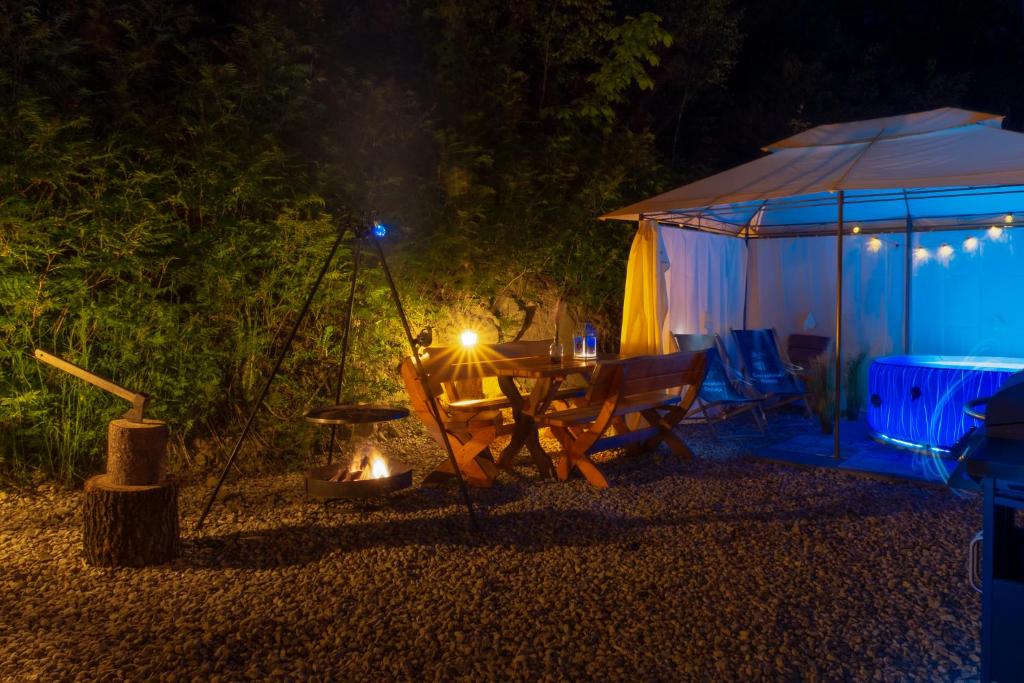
[(523, 412), (519, 434), (541, 459)]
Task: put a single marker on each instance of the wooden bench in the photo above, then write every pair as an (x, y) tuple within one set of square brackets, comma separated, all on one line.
[(470, 424), (648, 385)]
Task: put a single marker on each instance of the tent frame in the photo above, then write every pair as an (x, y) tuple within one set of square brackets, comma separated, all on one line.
[(907, 229), (913, 167)]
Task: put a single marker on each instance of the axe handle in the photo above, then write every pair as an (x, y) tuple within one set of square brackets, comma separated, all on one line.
[(137, 400)]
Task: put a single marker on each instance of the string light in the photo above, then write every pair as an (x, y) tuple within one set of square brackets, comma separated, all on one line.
[(468, 338), (856, 230), (1008, 218), (995, 232), (971, 245), (945, 254), (874, 245), (920, 255)]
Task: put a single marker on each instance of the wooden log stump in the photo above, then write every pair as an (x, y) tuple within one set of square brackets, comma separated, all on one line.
[(136, 452), (129, 526)]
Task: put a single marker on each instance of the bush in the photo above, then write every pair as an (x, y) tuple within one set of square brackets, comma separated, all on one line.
[(174, 174)]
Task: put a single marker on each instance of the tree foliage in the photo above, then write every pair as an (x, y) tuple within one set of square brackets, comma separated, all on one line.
[(173, 173)]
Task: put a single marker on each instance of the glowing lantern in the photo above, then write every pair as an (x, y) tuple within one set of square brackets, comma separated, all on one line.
[(468, 338), (995, 232), (920, 255), (971, 245), (874, 245)]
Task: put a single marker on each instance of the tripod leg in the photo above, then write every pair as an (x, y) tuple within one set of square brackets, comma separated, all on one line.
[(266, 385), (431, 401), (344, 340)]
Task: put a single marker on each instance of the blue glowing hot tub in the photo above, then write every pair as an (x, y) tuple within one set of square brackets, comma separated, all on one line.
[(917, 401)]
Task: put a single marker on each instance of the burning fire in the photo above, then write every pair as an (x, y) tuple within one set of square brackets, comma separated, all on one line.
[(367, 463)]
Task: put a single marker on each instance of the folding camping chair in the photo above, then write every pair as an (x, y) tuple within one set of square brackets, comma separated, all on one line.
[(803, 349), (767, 370), (724, 394)]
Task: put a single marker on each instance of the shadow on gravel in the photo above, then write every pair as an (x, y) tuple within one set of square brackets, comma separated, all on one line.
[(526, 531)]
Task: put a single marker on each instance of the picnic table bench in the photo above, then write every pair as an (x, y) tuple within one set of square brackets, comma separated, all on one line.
[(646, 385), (472, 424)]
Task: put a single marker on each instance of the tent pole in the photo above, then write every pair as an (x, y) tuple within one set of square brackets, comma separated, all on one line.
[(746, 277), (839, 328), (908, 272)]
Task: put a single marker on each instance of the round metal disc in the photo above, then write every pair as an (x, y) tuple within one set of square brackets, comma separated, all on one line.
[(354, 414)]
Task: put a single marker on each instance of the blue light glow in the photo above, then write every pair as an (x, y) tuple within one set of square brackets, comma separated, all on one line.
[(909, 445), (917, 402), (380, 230)]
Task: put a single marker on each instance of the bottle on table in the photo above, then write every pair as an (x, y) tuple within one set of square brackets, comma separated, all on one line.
[(555, 351)]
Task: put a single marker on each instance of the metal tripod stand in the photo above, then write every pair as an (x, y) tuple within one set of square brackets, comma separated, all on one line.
[(360, 234)]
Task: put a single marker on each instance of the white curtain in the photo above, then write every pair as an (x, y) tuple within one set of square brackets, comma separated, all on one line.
[(968, 299), (793, 289), (965, 298), (705, 283)]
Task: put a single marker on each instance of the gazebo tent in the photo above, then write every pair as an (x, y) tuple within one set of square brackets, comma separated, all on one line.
[(906, 219)]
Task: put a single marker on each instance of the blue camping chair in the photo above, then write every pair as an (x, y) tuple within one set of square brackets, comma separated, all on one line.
[(767, 370), (722, 394)]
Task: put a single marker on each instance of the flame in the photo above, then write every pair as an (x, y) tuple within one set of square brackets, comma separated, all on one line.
[(378, 466), (367, 463)]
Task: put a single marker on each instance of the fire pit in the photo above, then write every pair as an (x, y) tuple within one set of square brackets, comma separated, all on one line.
[(368, 474), (323, 483), (334, 482)]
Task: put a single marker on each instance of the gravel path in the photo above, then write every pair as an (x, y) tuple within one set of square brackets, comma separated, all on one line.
[(719, 569)]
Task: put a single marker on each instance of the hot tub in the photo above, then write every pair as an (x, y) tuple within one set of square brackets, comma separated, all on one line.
[(917, 401)]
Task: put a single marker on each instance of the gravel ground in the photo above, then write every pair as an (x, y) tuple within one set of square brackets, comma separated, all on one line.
[(720, 569)]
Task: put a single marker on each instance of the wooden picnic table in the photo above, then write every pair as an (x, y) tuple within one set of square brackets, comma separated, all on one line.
[(547, 376)]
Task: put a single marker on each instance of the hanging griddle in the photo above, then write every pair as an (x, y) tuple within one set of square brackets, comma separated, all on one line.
[(322, 482), (354, 414), (348, 414)]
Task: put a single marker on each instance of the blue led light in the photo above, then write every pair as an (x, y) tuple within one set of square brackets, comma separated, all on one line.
[(380, 230), (911, 446), (917, 402)]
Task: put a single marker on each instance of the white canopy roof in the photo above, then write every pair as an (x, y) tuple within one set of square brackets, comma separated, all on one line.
[(941, 169)]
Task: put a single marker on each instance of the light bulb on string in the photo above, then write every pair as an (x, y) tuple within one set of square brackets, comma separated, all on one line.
[(856, 230), (920, 255), (874, 245), (1008, 218), (971, 245), (944, 254), (995, 232)]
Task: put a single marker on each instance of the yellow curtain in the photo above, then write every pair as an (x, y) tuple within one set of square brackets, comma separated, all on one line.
[(645, 305)]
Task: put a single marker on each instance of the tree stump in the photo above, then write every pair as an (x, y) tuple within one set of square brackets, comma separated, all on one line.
[(129, 526), (136, 452)]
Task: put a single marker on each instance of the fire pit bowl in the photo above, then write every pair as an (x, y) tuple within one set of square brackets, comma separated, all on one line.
[(319, 484)]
